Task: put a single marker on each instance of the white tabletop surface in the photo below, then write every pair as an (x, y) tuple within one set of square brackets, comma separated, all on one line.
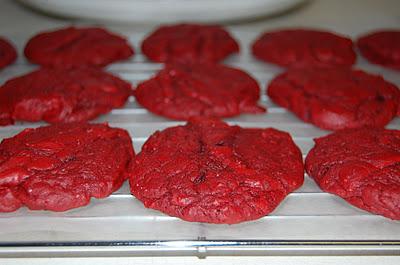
[(350, 17)]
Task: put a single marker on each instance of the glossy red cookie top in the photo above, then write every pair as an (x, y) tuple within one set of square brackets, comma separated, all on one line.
[(381, 47), (184, 90), (304, 48), (61, 95), (73, 46), (189, 42), (208, 171), (8, 54), (336, 98), (360, 165), (60, 167)]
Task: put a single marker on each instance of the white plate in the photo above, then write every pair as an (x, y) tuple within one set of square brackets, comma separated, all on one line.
[(162, 10)]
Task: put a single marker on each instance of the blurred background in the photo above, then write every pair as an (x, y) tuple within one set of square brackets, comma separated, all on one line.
[(347, 17)]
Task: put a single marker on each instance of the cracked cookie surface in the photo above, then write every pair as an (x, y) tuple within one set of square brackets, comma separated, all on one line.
[(189, 42), (61, 95), (304, 48), (336, 98), (184, 90), (360, 165), (60, 167), (208, 171), (72, 46)]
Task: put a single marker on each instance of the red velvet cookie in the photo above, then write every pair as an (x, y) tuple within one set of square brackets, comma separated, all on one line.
[(208, 171), (336, 98), (360, 165), (77, 46), (184, 90), (8, 54), (192, 42), (61, 95), (381, 47), (304, 48), (60, 167)]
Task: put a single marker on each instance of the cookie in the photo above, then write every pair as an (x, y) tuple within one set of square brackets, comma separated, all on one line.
[(360, 165), (381, 47), (184, 90), (76, 47), (61, 95), (62, 166), (336, 98), (208, 171), (189, 42), (304, 48), (8, 54)]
